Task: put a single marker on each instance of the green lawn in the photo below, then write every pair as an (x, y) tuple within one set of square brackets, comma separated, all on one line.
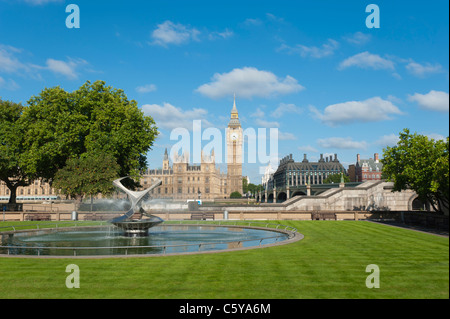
[(329, 262)]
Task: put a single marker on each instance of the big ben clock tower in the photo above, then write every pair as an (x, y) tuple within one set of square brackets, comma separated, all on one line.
[(234, 152)]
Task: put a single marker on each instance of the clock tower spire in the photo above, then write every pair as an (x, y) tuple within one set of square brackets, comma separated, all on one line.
[(234, 151)]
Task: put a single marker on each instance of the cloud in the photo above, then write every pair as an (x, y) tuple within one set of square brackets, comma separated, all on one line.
[(268, 124), (371, 110), (9, 63), (168, 116), (366, 60), (326, 49), (421, 71), (308, 148), (341, 143), (387, 140), (68, 69), (286, 109), (285, 136), (9, 84), (247, 83), (173, 33), (433, 100), (42, 2), (436, 136), (220, 35), (358, 38), (146, 88), (254, 22)]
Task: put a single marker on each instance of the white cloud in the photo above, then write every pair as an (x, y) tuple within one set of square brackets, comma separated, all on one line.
[(173, 33), (285, 136), (436, 136), (326, 49), (247, 83), (308, 148), (268, 124), (68, 69), (220, 35), (9, 84), (254, 22), (358, 38), (341, 143), (146, 88), (168, 116), (258, 113), (286, 109), (387, 140), (8, 61), (42, 2), (433, 100), (420, 70), (366, 60), (371, 110)]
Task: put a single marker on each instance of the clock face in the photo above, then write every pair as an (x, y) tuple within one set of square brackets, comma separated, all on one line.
[(234, 136)]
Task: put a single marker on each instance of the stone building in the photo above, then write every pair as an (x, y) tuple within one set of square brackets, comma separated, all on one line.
[(291, 173)]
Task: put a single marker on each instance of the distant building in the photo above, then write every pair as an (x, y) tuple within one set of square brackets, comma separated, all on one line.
[(267, 178), (367, 169), (291, 173)]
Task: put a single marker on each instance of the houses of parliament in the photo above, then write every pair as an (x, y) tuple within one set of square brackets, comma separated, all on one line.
[(181, 180)]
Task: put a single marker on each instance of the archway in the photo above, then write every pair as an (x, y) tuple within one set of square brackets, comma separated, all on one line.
[(270, 198), (281, 197)]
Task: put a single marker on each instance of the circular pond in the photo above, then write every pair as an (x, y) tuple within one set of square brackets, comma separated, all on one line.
[(162, 239)]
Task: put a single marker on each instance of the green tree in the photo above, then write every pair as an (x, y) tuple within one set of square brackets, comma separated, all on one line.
[(12, 149), (235, 194), (90, 174), (421, 164), (252, 188), (95, 119), (245, 185), (336, 178)]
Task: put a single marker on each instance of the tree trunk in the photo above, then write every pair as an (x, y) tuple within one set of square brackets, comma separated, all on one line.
[(13, 196)]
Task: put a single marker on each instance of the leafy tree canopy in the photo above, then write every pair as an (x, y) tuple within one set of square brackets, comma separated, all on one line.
[(95, 119), (421, 164), (12, 149), (57, 126), (336, 178), (235, 194), (88, 175)]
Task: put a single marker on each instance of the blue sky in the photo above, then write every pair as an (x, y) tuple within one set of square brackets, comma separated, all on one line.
[(312, 69)]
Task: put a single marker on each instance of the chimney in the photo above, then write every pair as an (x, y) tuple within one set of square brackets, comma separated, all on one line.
[(335, 158), (321, 158), (305, 160), (375, 156)]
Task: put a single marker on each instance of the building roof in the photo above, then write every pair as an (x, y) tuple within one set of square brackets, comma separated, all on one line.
[(371, 164), (288, 163)]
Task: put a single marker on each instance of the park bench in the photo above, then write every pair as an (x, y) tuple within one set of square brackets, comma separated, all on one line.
[(96, 216), (38, 217), (202, 216), (323, 216)]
